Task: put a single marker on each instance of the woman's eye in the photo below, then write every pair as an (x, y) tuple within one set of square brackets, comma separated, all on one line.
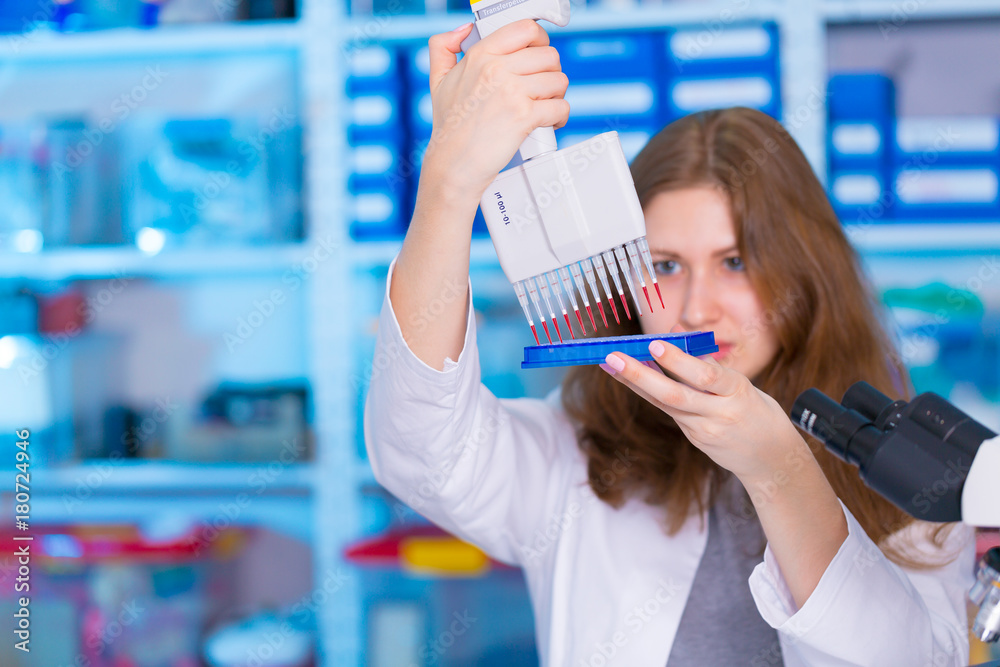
[(735, 263), (666, 267)]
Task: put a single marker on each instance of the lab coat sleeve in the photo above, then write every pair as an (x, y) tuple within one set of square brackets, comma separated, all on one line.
[(484, 469), (866, 610)]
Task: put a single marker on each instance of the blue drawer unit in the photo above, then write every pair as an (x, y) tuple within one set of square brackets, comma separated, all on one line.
[(948, 193), (958, 141), (375, 115), (376, 215), (375, 164), (704, 51), (616, 104), (689, 94), (861, 196), (373, 69), (608, 56), (860, 143), (861, 96)]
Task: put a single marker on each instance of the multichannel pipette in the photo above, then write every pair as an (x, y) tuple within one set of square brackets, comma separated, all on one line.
[(564, 219)]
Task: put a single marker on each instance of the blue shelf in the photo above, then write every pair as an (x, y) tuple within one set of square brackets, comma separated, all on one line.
[(926, 238), (154, 494), (112, 261), (866, 11), (173, 41)]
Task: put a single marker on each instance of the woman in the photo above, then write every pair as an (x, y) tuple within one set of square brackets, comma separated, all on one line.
[(639, 502)]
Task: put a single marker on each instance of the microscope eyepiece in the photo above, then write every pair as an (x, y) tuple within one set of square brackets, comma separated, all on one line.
[(832, 424)]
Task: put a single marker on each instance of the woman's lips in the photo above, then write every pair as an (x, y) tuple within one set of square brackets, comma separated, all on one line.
[(724, 350)]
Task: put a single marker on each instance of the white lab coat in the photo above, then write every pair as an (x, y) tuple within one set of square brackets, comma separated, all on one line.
[(609, 586)]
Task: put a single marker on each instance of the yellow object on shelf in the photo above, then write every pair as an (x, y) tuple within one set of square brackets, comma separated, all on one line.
[(442, 557)]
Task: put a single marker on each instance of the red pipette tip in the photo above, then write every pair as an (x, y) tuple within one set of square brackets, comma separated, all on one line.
[(646, 292), (614, 310), (537, 342), (569, 326), (600, 307), (625, 303), (577, 311), (657, 286), (556, 325), (592, 318), (547, 335)]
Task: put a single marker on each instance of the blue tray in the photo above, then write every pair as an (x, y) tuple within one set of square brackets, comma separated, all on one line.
[(587, 352)]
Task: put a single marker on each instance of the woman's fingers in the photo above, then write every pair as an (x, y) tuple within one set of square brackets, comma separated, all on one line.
[(546, 85), (533, 60), (443, 51), (514, 37), (698, 373), (665, 393), (550, 113)]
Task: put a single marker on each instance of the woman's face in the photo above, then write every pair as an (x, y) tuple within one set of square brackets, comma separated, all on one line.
[(703, 280)]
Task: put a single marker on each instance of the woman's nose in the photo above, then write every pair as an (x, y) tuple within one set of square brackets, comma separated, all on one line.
[(701, 307)]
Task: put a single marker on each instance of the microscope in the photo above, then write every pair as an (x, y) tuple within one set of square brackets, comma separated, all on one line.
[(925, 456)]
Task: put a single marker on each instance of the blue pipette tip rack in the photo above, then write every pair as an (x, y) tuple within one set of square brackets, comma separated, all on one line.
[(588, 352)]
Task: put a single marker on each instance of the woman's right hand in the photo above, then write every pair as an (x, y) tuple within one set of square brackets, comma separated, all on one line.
[(507, 85)]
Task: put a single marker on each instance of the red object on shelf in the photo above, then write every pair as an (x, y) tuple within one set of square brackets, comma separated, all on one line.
[(986, 539), (63, 313)]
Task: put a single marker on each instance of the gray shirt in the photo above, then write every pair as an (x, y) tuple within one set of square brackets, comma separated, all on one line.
[(720, 624)]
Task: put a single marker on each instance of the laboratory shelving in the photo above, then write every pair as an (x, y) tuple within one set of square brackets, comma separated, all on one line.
[(319, 500)]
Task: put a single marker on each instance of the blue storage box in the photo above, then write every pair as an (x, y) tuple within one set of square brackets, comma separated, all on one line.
[(688, 94), (629, 102), (970, 140), (947, 193), (588, 352), (859, 143), (608, 56), (722, 52), (376, 215), (861, 196), (375, 116), (861, 96), (373, 69)]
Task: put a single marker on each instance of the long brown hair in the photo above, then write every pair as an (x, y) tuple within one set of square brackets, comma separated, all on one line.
[(816, 300)]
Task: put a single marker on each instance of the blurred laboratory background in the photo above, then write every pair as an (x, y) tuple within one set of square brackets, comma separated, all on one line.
[(199, 200)]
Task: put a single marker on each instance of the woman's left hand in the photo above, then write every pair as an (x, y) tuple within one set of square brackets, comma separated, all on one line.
[(719, 410)]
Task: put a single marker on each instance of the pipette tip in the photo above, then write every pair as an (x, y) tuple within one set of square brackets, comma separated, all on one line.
[(547, 335), (600, 307), (556, 325), (569, 326), (614, 310), (537, 342), (646, 292), (592, 318), (657, 286), (625, 303), (581, 322)]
